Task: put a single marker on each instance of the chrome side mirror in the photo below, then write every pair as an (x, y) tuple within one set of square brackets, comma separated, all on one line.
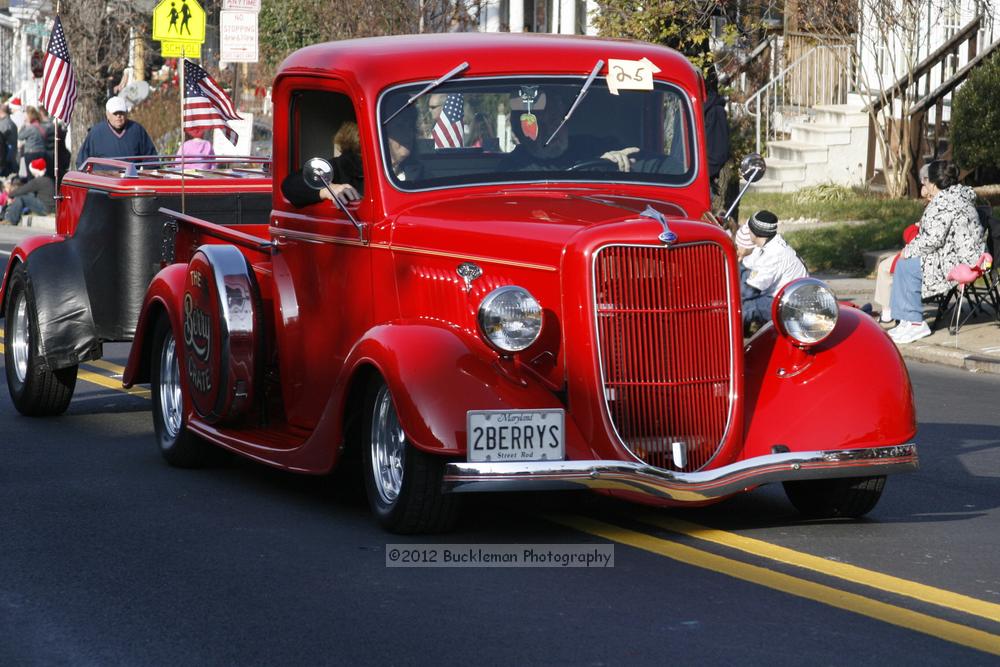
[(318, 173), (752, 167)]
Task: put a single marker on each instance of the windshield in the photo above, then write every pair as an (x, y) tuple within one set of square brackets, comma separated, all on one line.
[(495, 130)]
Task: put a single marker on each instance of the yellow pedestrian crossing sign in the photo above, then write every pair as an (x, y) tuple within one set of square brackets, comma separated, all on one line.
[(179, 21)]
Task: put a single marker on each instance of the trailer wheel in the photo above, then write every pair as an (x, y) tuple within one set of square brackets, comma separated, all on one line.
[(178, 445), (403, 483), (827, 498), (35, 390)]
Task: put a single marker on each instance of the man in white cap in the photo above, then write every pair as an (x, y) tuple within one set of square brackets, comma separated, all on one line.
[(117, 137), (769, 267)]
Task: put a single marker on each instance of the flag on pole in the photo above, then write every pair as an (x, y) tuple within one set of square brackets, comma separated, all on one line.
[(58, 77), (206, 105), (448, 130)]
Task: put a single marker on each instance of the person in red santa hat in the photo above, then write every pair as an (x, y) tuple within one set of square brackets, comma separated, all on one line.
[(16, 112), (37, 195)]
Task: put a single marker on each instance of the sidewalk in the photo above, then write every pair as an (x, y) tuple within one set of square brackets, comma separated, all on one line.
[(975, 348)]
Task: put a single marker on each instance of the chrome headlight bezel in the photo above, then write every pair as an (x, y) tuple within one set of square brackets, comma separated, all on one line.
[(524, 316), (805, 311)]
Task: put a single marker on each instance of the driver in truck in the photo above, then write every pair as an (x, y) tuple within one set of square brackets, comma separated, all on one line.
[(535, 116)]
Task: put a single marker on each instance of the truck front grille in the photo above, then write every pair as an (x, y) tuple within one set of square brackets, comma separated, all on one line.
[(663, 334)]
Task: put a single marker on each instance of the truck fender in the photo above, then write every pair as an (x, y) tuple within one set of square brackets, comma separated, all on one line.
[(435, 376), (19, 255), (67, 333), (165, 295), (851, 390)]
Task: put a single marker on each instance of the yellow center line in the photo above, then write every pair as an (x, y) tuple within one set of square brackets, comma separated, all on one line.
[(852, 602), (884, 582), (103, 380), (111, 383), (106, 365)]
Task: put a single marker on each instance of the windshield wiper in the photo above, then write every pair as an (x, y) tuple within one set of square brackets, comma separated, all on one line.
[(579, 98), (426, 89)]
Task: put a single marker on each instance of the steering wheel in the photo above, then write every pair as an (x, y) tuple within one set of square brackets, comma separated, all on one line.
[(592, 164)]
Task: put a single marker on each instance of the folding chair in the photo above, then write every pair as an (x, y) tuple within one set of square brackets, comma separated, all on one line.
[(982, 290)]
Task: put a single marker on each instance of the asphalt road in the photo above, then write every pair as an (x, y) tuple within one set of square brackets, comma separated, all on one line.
[(108, 556)]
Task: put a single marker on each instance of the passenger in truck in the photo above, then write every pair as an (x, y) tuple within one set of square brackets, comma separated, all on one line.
[(401, 137), (348, 175)]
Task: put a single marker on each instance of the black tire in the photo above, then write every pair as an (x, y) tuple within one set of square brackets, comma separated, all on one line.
[(35, 390), (178, 445), (828, 498), (414, 503)]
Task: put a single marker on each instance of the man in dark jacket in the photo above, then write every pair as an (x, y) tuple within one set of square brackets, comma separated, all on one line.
[(717, 144), (8, 142), (117, 137)]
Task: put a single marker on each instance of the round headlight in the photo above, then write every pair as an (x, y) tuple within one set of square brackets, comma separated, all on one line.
[(806, 310), (510, 318)]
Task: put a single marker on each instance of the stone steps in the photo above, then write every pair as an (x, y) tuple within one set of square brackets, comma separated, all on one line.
[(829, 147)]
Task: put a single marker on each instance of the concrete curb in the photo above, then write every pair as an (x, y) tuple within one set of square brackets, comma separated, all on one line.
[(40, 222), (950, 356)]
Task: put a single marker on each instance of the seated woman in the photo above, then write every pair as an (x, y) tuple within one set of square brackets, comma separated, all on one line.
[(348, 175), (949, 234)]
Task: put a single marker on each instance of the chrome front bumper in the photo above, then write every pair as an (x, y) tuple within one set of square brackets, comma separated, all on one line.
[(683, 487)]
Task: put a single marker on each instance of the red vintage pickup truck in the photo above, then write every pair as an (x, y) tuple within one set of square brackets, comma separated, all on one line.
[(529, 293)]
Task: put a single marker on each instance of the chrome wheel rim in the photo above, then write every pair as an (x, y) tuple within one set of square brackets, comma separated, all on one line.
[(170, 388), (20, 338), (388, 448)]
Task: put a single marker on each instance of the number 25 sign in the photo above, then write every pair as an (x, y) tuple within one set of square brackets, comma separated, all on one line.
[(630, 74)]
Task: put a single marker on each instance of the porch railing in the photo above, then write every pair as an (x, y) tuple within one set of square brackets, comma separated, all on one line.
[(917, 87), (824, 74)]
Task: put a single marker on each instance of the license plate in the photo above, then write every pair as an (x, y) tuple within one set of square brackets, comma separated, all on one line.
[(516, 435)]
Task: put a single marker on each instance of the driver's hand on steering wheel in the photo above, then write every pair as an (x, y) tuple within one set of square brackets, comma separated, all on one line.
[(345, 192), (621, 157)]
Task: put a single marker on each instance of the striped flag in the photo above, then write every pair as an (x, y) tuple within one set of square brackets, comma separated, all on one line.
[(206, 105), (58, 77), (448, 130)]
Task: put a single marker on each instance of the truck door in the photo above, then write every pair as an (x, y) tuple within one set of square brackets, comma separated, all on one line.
[(321, 261)]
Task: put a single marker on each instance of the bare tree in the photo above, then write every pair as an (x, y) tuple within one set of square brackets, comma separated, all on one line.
[(450, 15), (98, 35)]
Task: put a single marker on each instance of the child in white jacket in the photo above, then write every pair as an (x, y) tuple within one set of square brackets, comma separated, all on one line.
[(771, 265)]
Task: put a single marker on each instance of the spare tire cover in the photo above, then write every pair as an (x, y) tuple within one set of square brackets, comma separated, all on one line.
[(220, 332)]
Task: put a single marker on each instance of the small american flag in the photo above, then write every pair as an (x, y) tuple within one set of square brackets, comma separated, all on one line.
[(58, 77), (206, 105), (448, 131)]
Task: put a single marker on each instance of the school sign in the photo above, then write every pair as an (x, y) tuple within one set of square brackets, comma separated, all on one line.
[(179, 26)]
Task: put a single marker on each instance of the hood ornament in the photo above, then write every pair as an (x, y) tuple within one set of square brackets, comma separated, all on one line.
[(468, 272), (667, 236)]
